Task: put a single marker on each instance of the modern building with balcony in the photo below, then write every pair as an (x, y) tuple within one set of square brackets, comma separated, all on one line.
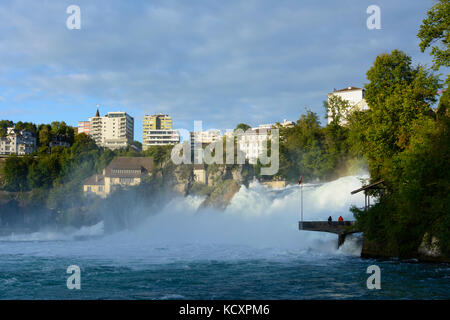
[(114, 131), (157, 130)]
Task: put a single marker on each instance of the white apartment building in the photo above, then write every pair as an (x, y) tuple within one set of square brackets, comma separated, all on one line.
[(160, 138), (114, 131), (287, 123), (207, 137), (18, 142), (252, 143), (355, 97)]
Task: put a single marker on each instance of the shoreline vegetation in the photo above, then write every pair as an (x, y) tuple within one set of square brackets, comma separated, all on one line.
[(403, 139)]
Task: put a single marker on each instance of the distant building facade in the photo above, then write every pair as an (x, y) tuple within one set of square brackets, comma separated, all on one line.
[(200, 175), (253, 143), (157, 130), (354, 96), (121, 172), (83, 127), (18, 142), (59, 141), (201, 139), (114, 131), (287, 123)]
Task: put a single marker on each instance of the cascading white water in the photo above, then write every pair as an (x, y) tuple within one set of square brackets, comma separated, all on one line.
[(257, 217)]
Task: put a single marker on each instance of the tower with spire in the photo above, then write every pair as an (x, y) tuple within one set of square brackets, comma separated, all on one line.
[(114, 130)]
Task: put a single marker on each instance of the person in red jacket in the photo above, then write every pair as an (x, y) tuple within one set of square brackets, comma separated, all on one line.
[(341, 220)]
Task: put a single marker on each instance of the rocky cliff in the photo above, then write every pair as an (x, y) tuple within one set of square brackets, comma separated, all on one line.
[(223, 181)]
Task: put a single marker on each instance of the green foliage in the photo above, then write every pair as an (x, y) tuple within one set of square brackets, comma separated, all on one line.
[(15, 172), (45, 135), (160, 154), (337, 109), (61, 173), (26, 126), (407, 146), (4, 125), (312, 150), (242, 126), (397, 94), (435, 32)]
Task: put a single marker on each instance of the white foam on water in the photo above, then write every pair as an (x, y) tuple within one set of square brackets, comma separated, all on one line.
[(258, 223)]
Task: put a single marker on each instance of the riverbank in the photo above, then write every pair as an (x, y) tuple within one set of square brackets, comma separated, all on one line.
[(425, 254)]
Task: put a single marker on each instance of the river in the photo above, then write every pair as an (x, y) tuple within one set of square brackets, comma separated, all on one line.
[(252, 250)]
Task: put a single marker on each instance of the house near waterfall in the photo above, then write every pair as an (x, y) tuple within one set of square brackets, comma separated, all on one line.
[(121, 172)]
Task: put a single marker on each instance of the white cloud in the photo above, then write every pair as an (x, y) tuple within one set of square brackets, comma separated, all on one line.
[(223, 62)]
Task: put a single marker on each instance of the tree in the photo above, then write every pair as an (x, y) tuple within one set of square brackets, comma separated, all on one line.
[(337, 109), (4, 125), (435, 32), (242, 126), (15, 173), (26, 126), (397, 94), (45, 134), (159, 154)]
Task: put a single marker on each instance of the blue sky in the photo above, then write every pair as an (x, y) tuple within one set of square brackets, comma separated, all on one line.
[(222, 62)]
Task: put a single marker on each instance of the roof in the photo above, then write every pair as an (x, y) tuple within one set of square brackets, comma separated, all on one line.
[(347, 89), (123, 166), (370, 186), (95, 180)]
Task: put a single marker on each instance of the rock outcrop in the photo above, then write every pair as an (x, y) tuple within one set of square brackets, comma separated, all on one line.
[(223, 181)]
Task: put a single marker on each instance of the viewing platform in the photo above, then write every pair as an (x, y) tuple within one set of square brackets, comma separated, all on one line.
[(341, 228)]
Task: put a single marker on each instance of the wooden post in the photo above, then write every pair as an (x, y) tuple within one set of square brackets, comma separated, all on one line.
[(301, 195), (365, 201)]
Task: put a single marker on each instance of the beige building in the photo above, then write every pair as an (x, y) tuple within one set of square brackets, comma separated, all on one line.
[(121, 172), (354, 96), (114, 131), (200, 175), (157, 130)]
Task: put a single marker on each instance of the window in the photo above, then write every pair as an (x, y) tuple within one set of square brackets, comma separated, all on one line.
[(126, 180)]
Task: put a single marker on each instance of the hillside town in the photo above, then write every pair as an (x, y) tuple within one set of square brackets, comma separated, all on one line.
[(115, 130)]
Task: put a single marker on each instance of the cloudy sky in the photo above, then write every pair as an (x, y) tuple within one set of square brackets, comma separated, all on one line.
[(222, 62)]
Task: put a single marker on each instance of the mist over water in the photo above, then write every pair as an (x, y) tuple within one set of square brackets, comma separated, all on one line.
[(252, 250), (258, 217)]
